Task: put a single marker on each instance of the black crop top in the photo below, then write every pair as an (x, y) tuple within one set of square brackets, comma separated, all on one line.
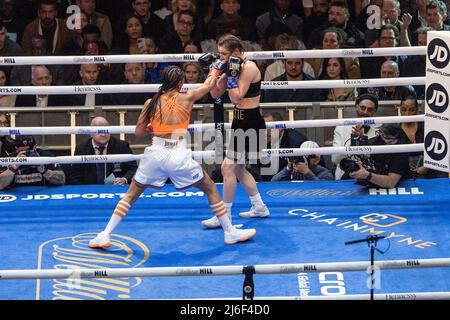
[(254, 90)]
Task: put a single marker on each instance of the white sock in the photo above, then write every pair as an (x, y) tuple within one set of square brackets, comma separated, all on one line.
[(228, 205), (256, 200), (221, 213), (119, 213)]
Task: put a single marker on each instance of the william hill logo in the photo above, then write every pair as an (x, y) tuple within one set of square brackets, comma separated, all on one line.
[(278, 54), (367, 51), (73, 252), (9, 60), (99, 59), (188, 57)]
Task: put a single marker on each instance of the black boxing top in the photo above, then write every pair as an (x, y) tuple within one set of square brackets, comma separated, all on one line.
[(254, 90)]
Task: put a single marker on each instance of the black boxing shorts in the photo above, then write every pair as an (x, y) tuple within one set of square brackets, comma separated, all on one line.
[(248, 136)]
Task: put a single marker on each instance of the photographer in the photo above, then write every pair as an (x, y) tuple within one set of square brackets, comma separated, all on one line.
[(382, 170), (16, 175), (304, 167), (366, 105)]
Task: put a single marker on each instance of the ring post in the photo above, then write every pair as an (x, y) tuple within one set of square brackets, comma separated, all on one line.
[(437, 102)]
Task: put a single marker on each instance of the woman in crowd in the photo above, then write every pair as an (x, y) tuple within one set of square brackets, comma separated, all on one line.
[(334, 69), (128, 40), (6, 101)]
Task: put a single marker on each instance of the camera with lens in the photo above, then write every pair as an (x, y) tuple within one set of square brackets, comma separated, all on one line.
[(348, 165), (357, 140), (13, 147)]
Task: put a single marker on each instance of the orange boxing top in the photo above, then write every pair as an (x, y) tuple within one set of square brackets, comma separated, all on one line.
[(170, 118)]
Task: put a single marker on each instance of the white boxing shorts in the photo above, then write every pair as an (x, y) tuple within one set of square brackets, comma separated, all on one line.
[(167, 158)]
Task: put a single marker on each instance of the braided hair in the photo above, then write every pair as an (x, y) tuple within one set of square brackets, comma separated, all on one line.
[(171, 78)]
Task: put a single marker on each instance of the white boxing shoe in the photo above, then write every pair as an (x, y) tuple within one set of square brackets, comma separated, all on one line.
[(256, 212), (238, 235), (213, 222), (101, 241)]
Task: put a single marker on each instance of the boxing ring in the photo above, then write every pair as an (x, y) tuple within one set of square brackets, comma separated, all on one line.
[(161, 252)]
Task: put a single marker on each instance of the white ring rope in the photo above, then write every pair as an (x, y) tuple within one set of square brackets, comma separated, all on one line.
[(379, 296), (210, 155), (265, 85), (253, 55), (201, 127), (221, 270)]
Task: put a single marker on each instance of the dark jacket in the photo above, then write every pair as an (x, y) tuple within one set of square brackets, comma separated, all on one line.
[(87, 173), (30, 101)]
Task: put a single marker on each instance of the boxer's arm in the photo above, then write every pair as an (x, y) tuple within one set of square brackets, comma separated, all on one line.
[(141, 130)]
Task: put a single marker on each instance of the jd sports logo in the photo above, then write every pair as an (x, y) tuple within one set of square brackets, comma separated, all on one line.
[(7, 198), (438, 53), (436, 145), (437, 98)]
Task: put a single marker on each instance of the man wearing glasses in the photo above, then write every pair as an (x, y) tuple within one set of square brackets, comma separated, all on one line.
[(174, 42), (366, 105)]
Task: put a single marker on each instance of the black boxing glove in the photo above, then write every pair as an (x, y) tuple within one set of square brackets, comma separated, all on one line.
[(207, 58), (234, 66)]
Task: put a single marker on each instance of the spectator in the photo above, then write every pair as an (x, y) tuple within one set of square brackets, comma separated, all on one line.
[(317, 17), (437, 15), (294, 72), (99, 19), (172, 21), (389, 69), (131, 33), (414, 133), (386, 169), (165, 10), (280, 12), (8, 48), (415, 66), (335, 70), (40, 76), (333, 38), (279, 139), (388, 38), (21, 74), (285, 42), (153, 25), (193, 73), (6, 101), (192, 46), (40, 175), (89, 74), (304, 167), (173, 42), (391, 12), (102, 173), (419, 18), (153, 70), (12, 20), (53, 29), (74, 45), (366, 105), (230, 19), (338, 17), (134, 74)]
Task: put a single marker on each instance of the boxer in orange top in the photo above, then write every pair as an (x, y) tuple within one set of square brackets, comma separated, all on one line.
[(167, 116)]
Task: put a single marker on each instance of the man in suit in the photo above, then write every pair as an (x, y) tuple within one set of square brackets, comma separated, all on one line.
[(101, 173), (40, 76)]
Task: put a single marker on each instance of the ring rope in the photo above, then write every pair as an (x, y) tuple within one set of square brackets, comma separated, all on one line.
[(221, 270), (201, 127), (210, 155), (253, 55), (265, 85)]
